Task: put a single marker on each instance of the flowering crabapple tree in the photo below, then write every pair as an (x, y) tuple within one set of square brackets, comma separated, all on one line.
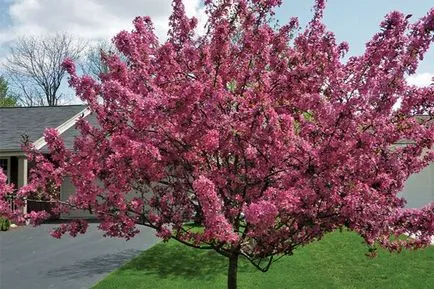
[(5, 190), (265, 137)]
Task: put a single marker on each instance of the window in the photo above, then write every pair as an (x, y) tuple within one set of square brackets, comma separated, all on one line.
[(5, 164)]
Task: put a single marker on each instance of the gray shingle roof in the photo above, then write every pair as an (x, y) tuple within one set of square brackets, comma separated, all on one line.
[(31, 121)]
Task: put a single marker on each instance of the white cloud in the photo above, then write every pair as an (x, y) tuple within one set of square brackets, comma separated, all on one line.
[(421, 79), (88, 19), (193, 8)]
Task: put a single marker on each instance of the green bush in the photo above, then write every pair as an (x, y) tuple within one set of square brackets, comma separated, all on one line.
[(4, 224)]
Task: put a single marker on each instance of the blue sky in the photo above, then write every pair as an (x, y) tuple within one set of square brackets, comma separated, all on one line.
[(4, 19), (357, 21), (351, 20)]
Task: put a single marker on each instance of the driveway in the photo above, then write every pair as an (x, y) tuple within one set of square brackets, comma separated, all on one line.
[(31, 258)]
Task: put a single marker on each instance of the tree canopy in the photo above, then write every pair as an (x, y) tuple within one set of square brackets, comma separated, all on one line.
[(6, 100), (264, 137)]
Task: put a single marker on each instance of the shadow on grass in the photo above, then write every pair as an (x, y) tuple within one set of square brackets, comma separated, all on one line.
[(168, 260)]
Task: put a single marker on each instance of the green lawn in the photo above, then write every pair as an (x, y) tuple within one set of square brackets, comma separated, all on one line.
[(337, 261)]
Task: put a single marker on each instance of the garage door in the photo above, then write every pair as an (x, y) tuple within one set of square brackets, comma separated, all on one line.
[(419, 189), (66, 190)]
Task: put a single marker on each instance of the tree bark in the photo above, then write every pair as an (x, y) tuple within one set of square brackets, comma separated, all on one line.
[(232, 271)]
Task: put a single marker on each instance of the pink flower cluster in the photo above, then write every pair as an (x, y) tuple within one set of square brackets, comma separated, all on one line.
[(74, 228), (261, 215), (5, 191), (216, 225)]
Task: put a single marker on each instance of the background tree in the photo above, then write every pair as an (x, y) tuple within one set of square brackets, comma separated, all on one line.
[(6, 100), (93, 63), (34, 67), (268, 142)]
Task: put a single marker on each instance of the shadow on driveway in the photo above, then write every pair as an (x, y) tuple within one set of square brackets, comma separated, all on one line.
[(31, 258), (94, 266)]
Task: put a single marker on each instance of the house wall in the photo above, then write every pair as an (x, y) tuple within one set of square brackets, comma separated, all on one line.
[(67, 189), (419, 189)]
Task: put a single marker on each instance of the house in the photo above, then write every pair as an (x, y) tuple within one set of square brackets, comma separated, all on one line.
[(31, 121), (16, 122), (419, 188)]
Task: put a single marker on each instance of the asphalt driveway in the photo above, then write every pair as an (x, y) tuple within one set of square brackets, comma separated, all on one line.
[(31, 259)]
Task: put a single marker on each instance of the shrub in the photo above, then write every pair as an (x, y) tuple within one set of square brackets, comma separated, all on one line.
[(4, 224)]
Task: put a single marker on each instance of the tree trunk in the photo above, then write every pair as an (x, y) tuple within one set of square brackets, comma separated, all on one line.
[(232, 271)]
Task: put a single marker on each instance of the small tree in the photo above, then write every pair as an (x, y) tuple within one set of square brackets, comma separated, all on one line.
[(34, 67), (6, 100), (268, 141)]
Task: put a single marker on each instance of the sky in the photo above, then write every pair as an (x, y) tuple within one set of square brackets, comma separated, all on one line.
[(357, 21), (93, 20)]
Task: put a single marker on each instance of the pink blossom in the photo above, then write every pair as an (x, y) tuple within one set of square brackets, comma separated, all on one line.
[(210, 140), (215, 222), (37, 217), (262, 215)]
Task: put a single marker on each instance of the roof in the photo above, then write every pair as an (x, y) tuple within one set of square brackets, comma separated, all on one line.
[(32, 121)]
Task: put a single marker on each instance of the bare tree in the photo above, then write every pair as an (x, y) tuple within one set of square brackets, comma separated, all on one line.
[(35, 70), (92, 63)]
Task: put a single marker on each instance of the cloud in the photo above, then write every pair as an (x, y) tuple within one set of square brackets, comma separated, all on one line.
[(421, 79), (88, 19)]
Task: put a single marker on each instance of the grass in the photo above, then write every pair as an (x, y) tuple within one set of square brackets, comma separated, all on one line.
[(337, 261)]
